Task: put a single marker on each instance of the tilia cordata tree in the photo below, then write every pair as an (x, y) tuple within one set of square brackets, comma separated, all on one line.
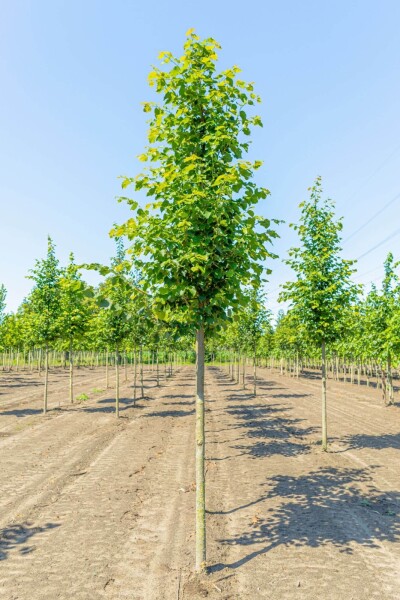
[(45, 305), (198, 242), (323, 287), (74, 312)]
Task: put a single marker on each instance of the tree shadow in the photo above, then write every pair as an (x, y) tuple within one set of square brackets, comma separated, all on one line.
[(282, 434), (17, 536), (170, 413), (377, 442), (124, 404), (327, 506), (179, 396), (21, 412)]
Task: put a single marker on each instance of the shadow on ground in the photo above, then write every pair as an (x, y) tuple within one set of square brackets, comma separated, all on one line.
[(17, 536), (326, 506)]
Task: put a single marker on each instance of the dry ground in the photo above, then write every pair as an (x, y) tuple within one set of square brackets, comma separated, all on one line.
[(94, 508)]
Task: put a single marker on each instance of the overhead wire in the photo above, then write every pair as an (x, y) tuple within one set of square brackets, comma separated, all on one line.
[(389, 237), (380, 211)]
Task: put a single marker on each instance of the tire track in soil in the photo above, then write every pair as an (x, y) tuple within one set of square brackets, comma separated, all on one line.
[(289, 537), (77, 538), (19, 417)]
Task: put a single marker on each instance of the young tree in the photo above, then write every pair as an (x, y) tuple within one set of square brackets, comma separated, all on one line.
[(381, 330), (254, 321), (323, 287), (3, 294), (198, 242), (74, 312), (114, 295), (44, 303)]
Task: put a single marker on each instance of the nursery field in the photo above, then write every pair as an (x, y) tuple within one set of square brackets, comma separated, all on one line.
[(95, 507)]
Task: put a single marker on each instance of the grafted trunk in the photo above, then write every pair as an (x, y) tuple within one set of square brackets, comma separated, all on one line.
[(200, 455)]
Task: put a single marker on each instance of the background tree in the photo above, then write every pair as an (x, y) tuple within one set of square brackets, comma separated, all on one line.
[(254, 321), (381, 330), (198, 242), (323, 286), (44, 303), (114, 296), (74, 312)]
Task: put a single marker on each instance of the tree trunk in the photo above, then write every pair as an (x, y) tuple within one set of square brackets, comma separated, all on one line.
[(200, 455), (141, 372), (389, 379), (255, 373), (134, 375), (324, 419), (46, 380), (107, 369), (116, 383), (71, 374)]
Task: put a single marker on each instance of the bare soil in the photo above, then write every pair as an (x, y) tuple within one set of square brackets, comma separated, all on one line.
[(92, 507)]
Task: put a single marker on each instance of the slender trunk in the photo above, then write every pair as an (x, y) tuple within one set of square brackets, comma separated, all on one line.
[(158, 369), (141, 373), (46, 380), (116, 383), (200, 455), (107, 369), (40, 362), (389, 380), (244, 371), (255, 373), (324, 418), (71, 374), (134, 375)]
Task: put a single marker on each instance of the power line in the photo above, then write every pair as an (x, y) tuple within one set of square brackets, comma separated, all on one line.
[(389, 237), (368, 272), (371, 218), (379, 168)]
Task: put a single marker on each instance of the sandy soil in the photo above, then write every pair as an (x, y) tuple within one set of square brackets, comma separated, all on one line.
[(94, 507)]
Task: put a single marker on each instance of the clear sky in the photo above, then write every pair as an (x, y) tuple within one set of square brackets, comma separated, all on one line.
[(73, 74)]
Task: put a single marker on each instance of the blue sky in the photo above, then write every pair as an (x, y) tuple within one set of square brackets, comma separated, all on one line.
[(74, 74)]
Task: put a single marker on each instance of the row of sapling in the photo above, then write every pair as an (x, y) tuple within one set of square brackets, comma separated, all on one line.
[(198, 242), (366, 332), (243, 337)]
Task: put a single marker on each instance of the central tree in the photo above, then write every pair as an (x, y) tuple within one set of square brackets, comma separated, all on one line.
[(198, 242)]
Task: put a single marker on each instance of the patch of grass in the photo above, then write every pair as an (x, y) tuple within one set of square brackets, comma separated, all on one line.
[(82, 397), (97, 391)]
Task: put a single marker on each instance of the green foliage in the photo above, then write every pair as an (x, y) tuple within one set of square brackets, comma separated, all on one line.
[(323, 287), (381, 314), (75, 307), (44, 300), (198, 241), (3, 294)]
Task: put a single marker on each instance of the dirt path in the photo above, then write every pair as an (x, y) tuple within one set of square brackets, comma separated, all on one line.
[(302, 523), (95, 508)]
